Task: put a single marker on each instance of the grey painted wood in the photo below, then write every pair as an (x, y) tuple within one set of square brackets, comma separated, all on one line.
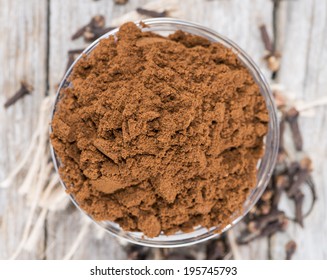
[(304, 73), (22, 56)]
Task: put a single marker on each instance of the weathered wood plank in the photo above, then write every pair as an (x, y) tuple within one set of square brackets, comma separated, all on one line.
[(22, 56), (303, 72)]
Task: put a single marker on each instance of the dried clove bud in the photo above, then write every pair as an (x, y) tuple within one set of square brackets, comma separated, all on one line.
[(253, 213), (266, 39), (270, 229), (312, 187), (290, 249), (75, 51), (25, 88), (292, 170), (136, 252), (92, 34), (263, 226), (301, 175), (262, 221), (274, 227), (272, 57), (292, 118), (267, 195), (265, 208), (253, 227), (151, 13), (96, 23), (298, 199), (217, 249), (120, 2)]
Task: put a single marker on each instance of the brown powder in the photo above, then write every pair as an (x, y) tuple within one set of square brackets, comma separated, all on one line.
[(160, 134)]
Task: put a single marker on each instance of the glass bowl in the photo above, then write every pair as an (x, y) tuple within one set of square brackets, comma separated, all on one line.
[(165, 26)]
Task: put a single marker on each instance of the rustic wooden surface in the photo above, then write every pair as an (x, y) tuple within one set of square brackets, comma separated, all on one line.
[(35, 37)]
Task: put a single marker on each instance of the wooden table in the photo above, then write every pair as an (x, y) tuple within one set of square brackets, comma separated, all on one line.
[(35, 37)]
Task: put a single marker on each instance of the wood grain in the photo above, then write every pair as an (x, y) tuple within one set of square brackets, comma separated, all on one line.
[(23, 48), (303, 72)]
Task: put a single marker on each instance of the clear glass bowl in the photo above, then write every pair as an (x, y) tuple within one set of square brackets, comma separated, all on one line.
[(165, 26)]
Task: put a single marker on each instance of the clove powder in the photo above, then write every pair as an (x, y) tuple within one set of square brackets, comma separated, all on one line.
[(159, 134)]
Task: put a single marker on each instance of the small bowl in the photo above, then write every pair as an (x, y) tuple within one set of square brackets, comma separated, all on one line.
[(166, 26)]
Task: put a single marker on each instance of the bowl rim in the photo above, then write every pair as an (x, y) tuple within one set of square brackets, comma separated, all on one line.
[(272, 137)]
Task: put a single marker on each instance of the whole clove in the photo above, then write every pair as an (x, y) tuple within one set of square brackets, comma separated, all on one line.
[(265, 208), (273, 216), (290, 249), (151, 13), (298, 199), (266, 39), (25, 88), (75, 51), (309, 182), (136, 252), (270, 229), (93, 30), (267, 195), (292, 170), (91, 34), (254, 212), (120, 2), (300, 176), (272, 57), (97, 21), (274, 227), (292, 118), (263, 226)]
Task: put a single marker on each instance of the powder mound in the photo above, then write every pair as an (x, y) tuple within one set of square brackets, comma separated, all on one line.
[(160, 134)]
